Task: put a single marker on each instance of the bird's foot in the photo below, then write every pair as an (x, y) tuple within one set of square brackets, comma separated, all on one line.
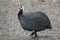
[(33, 34)]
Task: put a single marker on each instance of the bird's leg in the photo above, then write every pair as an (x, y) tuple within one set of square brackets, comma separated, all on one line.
[(35, 34), (32, 34)]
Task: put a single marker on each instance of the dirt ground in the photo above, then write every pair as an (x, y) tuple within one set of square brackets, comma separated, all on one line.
[(10, 28)]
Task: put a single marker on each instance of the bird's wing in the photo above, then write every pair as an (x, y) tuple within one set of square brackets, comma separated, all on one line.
[(37, 17)]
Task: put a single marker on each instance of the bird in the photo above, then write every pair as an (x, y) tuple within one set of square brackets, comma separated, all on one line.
[(33, 21)]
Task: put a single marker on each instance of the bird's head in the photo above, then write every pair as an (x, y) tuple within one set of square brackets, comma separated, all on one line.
[(21, 8)]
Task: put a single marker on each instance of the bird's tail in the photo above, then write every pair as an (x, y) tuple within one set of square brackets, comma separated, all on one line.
[(50, 27)]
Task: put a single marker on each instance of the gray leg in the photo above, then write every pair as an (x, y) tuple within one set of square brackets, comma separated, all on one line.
[(34, 33)]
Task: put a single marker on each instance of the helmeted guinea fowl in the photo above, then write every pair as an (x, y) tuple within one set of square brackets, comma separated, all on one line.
[(37, 21)]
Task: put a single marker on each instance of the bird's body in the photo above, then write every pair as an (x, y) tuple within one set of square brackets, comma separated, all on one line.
[(34, 21), (37, 21)]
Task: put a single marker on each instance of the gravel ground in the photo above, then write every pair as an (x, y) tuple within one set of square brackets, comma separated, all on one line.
[(10, 28)]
